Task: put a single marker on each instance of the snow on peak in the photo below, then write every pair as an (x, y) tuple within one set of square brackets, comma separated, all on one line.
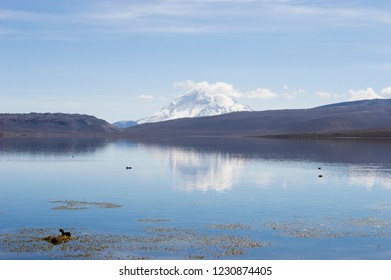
[(196, 103)]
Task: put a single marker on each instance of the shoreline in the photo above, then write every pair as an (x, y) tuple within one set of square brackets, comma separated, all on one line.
[(164, 135)]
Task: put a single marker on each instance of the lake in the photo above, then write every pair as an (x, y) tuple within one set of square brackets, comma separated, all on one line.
[(195, 199)]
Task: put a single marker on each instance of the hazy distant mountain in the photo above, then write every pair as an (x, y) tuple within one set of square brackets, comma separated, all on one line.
[(53, 123), (124, 124), (348, 116), (196, 104)]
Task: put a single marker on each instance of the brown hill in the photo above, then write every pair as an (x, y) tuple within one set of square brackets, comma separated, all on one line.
[(53, 123)]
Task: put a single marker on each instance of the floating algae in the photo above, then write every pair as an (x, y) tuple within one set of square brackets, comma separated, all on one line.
[(381, 207), (229, 226), (371, 222), (191, 257), (152, 220), (301, 230), (30, 241), (160, 229), (333, 228), (55, 240), (80, 205), (153, 244)]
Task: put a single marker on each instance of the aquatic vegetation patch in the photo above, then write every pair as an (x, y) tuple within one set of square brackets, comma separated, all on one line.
[(80, 205), (153, 220), (195, 257), (333, 228), (229, 226), (301, 230), (160, 229), (156, 243), (371, 222), (381, 207), (34, 241), (56, 240)]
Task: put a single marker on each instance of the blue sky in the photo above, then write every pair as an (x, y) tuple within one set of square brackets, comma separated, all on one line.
[(126, 59)]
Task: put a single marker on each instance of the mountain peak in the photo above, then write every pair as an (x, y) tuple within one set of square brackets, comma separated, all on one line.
[(197, 103)]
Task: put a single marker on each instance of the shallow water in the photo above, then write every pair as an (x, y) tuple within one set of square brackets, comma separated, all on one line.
[(204, 198)]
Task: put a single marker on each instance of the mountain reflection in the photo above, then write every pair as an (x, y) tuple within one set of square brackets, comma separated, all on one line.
[(52, 145), (195, 170), (205, 169)]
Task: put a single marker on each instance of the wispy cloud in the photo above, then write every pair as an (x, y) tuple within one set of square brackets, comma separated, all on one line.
[(261, 93), (323, 94), (33, 16), (146, 96), (205, 16), (235, 15), (44, 25), (293, 94), (6, 31), (15, 15)]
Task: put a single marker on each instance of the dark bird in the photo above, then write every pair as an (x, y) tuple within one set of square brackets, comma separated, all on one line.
[(66, 233), (128, 167), (320, 176), (319, 168)]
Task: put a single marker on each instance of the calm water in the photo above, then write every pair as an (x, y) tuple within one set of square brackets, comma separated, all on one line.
[(201, 192)]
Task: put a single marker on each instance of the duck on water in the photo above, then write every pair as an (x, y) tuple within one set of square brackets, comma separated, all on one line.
[(65, 233)]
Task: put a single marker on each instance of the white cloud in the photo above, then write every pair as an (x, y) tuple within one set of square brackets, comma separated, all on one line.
[(146, 96), (225, 89), (216, 88), (386, 92), (323, 94), (261, 93), (360, 94), (264, 93)]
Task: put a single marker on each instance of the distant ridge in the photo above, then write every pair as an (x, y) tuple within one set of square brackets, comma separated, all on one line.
[(124, 124), (365, 118), (347, 116), (51, 123), (371, 102)]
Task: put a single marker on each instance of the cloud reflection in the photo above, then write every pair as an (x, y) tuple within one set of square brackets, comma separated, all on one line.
[(195, 170), (369, 177)]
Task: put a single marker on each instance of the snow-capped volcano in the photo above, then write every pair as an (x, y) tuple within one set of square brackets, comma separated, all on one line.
[(196, 103)]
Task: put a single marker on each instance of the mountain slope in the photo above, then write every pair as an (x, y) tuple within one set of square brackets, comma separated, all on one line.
[(348, 116), (53, 123), (196, 104)]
